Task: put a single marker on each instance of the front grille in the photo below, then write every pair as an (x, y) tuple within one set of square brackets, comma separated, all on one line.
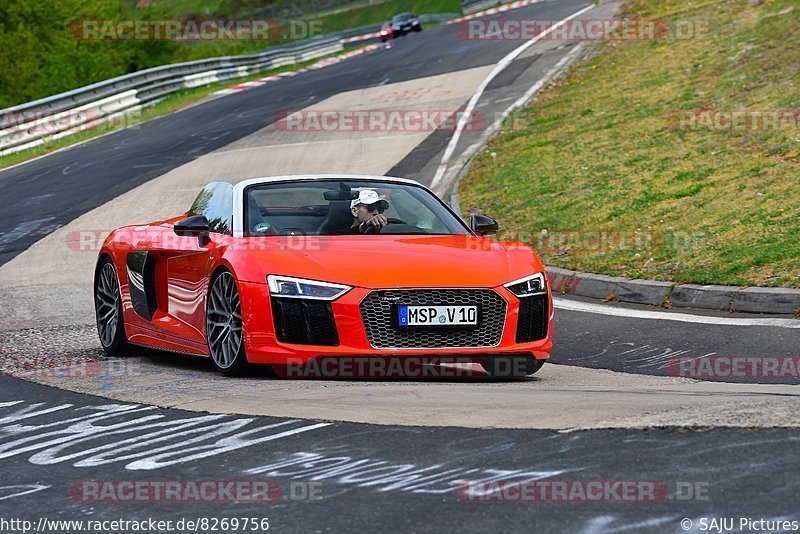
[(534, 313), (379, 313), (306, 322)]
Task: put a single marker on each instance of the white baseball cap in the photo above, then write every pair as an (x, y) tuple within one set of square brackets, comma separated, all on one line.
[(368, 197)]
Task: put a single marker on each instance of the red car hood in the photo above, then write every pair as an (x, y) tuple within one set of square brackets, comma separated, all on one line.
[(385, 261)]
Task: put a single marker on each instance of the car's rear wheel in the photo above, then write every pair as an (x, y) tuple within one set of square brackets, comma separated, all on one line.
[(224, 331), (511, 366), (108, 309)]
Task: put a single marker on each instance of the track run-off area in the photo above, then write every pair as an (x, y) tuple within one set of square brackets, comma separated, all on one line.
[(608, 405)]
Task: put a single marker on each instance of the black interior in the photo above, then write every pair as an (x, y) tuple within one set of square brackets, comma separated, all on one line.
[(338, 219)]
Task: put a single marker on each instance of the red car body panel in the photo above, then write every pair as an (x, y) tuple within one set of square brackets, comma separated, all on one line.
[(184, 269)]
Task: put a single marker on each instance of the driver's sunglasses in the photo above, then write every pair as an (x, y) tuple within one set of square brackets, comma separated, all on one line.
[(372, 208)]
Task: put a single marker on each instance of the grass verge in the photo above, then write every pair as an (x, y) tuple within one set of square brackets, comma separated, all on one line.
[(317, 26), (627, 166), (168, 104)]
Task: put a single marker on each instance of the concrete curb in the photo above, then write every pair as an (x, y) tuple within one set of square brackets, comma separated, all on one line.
[(775, 300)]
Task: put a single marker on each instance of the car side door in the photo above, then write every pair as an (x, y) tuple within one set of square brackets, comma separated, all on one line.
[(176, 271)]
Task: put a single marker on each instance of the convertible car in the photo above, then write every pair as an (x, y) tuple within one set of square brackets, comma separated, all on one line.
[(295, 268)]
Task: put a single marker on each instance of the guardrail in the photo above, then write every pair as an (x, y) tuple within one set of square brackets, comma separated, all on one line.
[(34, 123), (471, 6)]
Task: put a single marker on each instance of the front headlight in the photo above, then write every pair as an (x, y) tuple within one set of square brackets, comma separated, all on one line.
[(300, 288), (530, 285)]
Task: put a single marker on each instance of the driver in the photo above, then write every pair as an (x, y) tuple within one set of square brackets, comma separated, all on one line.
[(367, 210)]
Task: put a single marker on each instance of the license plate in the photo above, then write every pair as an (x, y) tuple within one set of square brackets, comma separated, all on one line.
[(437, 315)]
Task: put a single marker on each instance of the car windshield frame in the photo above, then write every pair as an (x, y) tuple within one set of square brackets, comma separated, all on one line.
[(454, 224)]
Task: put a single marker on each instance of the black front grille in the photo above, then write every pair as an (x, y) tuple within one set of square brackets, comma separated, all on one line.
[(534, 313), (379, 313), (306, 322)]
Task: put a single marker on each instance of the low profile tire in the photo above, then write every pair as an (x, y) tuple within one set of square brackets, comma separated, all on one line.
[(504, 367), (224, 331), (108, 309)]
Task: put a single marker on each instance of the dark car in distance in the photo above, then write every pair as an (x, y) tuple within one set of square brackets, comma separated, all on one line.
[(403, 23)]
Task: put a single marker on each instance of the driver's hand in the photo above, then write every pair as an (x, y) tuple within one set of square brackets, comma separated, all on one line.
[(374, 224), (379, 220)]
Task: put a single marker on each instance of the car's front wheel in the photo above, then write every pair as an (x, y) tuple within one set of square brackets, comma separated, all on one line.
[(108, 309), (511, 366), (224, 331)]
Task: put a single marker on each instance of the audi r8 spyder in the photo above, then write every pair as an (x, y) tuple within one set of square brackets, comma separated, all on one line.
[(295, 268)]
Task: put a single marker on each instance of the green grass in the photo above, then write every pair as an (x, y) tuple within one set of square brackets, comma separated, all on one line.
[(384, 12), (169, 104), (601, 151), (42, 51), (316, 26)]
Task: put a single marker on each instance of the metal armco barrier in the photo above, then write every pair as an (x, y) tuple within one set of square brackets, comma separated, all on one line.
[(471, 6), (34, 123)]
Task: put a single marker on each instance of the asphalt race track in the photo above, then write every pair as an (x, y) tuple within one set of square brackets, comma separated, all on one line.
[(342, 454), (398, 478)]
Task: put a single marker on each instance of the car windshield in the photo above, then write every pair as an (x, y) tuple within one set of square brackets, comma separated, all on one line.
[(323, 207), (402, 17)]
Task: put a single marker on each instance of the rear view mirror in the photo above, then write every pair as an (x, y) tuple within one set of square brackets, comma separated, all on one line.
[(344, 193), (350, 194)]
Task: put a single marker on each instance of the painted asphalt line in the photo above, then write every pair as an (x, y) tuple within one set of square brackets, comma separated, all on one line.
[(501, 66), (460, 168), (604, 309)]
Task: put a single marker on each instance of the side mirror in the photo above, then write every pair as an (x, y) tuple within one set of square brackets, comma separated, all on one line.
[(482, 225), (194, 226)]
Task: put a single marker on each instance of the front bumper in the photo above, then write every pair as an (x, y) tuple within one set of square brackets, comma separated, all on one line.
[(263, 347)]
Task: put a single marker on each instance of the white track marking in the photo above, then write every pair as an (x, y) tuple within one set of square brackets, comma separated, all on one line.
[(473, 149), (604, 309), (501, 66)]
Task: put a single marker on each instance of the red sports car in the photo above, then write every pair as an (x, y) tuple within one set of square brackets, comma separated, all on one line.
[(290, 269)]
